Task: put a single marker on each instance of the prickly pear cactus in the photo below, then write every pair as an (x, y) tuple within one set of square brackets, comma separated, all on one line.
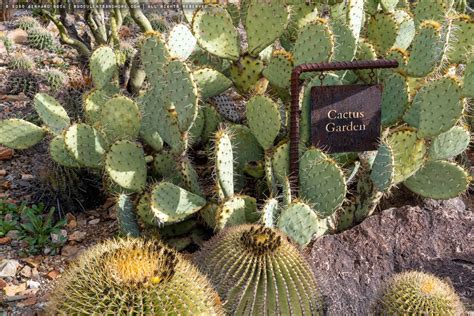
[(19, 134), (266, 273), (418, 293), (153, 277)]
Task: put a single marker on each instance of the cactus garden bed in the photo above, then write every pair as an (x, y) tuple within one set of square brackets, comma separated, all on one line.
[(145, 161)]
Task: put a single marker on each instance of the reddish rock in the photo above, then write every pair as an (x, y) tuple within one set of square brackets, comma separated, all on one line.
[(6, 153), (28, 302), (71, 221), (78, 236), (3, 284), (3, 172), (69, 251), (5, 240), (52, 275)]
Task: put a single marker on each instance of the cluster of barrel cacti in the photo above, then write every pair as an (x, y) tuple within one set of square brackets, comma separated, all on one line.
[(206, 87), (38, 37)]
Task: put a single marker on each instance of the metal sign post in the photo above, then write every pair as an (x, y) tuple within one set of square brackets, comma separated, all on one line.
[(295, 91)]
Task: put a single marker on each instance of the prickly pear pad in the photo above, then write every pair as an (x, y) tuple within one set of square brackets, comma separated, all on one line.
[(383, 168), (85, 144), (60, 154), (172, 204), (52, 113), (19, 134), (439, 180), (103, 66), (211, 82), (264, 120), (215, 32), (450, 144), (120, 119), (236, 210), (224, 158), (125, 164)]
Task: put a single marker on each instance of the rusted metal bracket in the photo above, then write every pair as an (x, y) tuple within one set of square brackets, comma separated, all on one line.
[(295, 91)]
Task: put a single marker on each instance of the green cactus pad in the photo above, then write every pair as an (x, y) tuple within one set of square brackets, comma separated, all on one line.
[(461, 41), (189, 176), (315, 43), (436, 108), (215, 32), (127, 222), (382, 31), (278, 72), (237, 210), (345, 43), (246, 73), (383, 168), (468, 87), (230, 106), (211, 122), (94, 100), (281, 161), (439, 180), (394, 98), (60, 154), (389, 5), (365, 51), (103, 66), (234, 12), (355, 16), (301, 223), (430, 10), (300, 14), (264, 120), (224, 160), (211, 82), (125, 164), (264, 23), (269, 212), (208, 214), (246, 149), (417, 293), (426, 51), (181, 42), (165, 166), (198, 127), (154, 56), (19, 134), (406, 31), (53, 115), (172, 204), (408, 152), (322, 182), (450, 144), (120, 118), (85, 144), (183, 93)]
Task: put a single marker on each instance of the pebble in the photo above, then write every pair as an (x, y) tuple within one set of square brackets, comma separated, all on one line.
[(69, 251), (33, 284), (3, 284), (26, 272), (18, 36), (6, 153), (78, 236), (8, 268), (28, 302), (3, 172), (11, 290), (27, 177), (94, 221)]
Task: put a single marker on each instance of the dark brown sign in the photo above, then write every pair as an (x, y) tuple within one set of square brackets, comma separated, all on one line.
[(346, 118)]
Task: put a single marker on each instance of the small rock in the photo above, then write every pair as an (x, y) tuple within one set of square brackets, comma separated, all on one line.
[(33, 284), (94, 221), (57, 61), (33, 261), (18, 36), (69, 251), (6, 153), (5, 240), (3, 284), (13, 234), (53, 274), (8, 268), (3, 50), (59, 238), (29, 292), (11, 290), (71, 220), (27, 177), (3, 172), (28, 302), (26, 272), (78, 236)]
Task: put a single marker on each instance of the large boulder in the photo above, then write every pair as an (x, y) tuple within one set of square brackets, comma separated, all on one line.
[(353, 266)]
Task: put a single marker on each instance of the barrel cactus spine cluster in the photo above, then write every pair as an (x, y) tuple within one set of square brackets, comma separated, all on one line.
[(187, 103)]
